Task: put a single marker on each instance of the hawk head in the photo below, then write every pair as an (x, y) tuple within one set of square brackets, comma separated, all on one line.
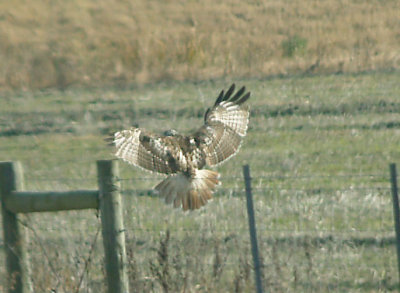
[(171, 132)]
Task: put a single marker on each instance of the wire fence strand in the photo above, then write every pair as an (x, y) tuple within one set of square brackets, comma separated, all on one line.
[(318, 215)]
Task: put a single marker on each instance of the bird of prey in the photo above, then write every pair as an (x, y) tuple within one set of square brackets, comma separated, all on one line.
[(183, 157)]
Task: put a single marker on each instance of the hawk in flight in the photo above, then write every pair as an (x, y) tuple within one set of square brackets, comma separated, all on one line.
[(183, 157)]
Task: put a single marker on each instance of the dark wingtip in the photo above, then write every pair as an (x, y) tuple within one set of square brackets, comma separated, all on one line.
[(238, 98), (219, 99), (243, 99), (206, 115), (229, 92), (238, 94), (109, 140)]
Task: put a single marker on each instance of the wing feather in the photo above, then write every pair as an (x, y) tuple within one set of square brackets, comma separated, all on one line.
[(225, 126), (230, 111), (218, 142), (142, 149)]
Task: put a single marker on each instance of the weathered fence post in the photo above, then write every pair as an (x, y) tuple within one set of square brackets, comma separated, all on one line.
[(252, 228), (110, 204), (396, 212), (16, 261)]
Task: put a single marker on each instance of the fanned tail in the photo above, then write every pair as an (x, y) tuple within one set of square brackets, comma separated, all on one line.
[(188, 192)]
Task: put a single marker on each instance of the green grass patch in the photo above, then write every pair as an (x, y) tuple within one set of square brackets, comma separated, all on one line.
[(318, 148)]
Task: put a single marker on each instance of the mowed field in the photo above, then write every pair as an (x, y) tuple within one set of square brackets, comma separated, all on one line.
[(318, 149)]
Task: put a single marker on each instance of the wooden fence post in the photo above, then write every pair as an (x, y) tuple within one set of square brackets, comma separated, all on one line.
[(112, 226), (14, 236), (252, 228), (396, 212)]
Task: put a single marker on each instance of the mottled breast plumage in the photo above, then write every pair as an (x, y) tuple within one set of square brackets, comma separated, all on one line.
[(184, 156)]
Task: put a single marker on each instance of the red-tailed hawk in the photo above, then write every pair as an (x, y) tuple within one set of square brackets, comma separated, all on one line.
[(183, 157)]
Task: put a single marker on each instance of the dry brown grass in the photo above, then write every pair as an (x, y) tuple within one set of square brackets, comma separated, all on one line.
[(61, 43)]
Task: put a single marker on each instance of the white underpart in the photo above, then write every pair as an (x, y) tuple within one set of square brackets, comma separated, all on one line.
[(157, 144), (182, 160)]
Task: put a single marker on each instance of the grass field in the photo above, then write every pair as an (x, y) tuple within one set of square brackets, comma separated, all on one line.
[(92, 43), (318, 148)]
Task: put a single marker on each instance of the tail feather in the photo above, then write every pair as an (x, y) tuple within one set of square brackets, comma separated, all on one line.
[(195, 199), (169, 198), (189, 193), (169, 191)]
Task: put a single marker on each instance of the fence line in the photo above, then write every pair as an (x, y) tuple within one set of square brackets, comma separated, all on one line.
[(87, 261), (238, 177), (299, 233), (252, 229), (107, 181), (107, 199), (396, 211), (279, 187), (101, 148), (16, 262), (50, 263), (233, 191)]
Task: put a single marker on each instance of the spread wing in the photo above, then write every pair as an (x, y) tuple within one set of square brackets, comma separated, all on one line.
[(146, 150), (217, 140), (225, 124)]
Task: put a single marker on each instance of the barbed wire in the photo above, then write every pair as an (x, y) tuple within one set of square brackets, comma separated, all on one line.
[(147, 192), (88, 260), (61, 179), (104, 148), (28, 225), (266, 177), (263, 231), (274, 177), (282, 188)]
